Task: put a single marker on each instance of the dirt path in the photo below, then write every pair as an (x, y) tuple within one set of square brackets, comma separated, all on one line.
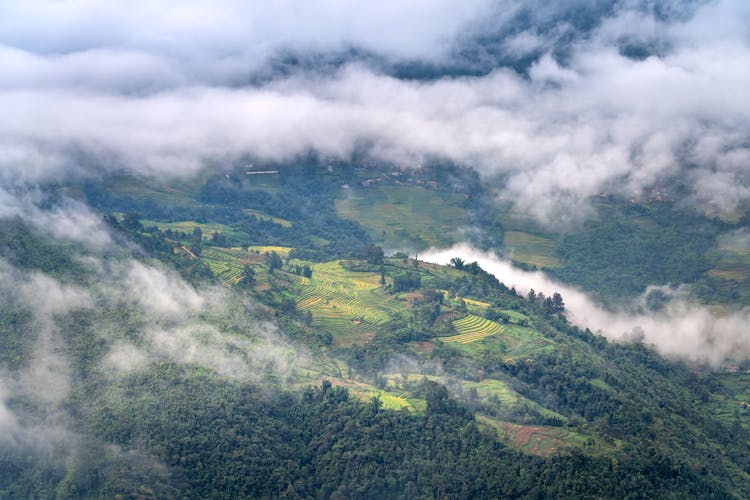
[(189, 252)]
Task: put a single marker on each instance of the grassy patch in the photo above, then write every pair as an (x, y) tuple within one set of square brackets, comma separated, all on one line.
[(733, 265), (187, 226), (538, 439), (732, 403), (282, 251), (601, 384), (514, 341), (406, 216), (515, 316), (389, 400), (531, 249), (175, 194), (263, 216)]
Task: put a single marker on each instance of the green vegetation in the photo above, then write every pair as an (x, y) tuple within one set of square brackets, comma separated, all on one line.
[(625, 246), (533, 250), (472, 328), (406, 216), (360, 375), (260, 215), (628, 251), (344, 303), (188, 227)]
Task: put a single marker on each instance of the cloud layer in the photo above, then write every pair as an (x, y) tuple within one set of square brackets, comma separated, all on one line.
[(633, 97), (575, 100), (135, 315)]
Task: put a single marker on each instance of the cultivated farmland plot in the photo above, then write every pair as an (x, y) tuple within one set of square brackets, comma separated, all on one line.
[(343, 302), (472, 328)]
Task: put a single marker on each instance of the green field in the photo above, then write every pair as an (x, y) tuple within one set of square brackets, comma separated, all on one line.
[(539, 439), (472, 328), (228, 263), (353, 306), (732, 404), (176, 194), (263, 216), (347, 304), (496, 388), (491, 392), (730, 274), (515, 316), (475, 306), (733, 264), (514, 341), (405, 216), (282, 251), (389, 400), (187, 226), (531, 249)]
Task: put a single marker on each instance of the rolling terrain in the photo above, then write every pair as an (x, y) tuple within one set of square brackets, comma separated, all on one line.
[(354, 332)]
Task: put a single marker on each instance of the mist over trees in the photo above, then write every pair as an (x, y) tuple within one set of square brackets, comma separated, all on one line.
[(192, 305)]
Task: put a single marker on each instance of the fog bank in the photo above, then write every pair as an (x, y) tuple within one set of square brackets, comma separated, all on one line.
[(683, 329)]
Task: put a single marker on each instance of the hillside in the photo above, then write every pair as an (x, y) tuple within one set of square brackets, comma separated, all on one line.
[(289, 357), (375, 249)]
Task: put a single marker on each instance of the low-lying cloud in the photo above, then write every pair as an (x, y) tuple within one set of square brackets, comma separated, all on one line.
[(135, 314), (681, 329), (67, 219), (589, 120)]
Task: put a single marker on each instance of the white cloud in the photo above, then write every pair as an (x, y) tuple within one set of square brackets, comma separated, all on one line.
[(8, 420), (92, 87), (165, 91), (47, 297), (228, 36), (67, 220), (161, 294), (125, 358), (683, 329)]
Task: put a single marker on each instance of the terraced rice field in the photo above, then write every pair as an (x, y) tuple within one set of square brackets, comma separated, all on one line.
[(348, 304), (178, 194), (475, 306), (472, 328), (225, 263), (531, 249), (476, 303), (515, 316), (530, 347), (388, 400), (541, 440), (477, 335), (228, 263), (406, 216), (734, 399), (496, 388)]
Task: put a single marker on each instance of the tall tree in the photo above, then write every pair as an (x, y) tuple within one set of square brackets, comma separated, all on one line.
[(248, 276)]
